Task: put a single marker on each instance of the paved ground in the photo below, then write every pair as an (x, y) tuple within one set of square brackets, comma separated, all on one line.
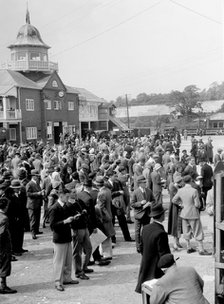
[(32, 274)]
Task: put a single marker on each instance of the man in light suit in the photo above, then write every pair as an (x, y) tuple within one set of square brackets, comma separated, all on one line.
[(141, 201), (34, 202), (178, 285), (188, 199)]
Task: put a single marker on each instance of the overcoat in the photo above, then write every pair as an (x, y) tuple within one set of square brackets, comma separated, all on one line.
[(5, 246), (155, 244)]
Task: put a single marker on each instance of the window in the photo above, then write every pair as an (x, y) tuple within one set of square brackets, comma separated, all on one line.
[(54, 84), (215, 125), (29, 104), (35, 56), (12, 134), (48, 104), (57, 104), (220, 124), (49, 130), (71, 106), (21, 56), (31, 133)]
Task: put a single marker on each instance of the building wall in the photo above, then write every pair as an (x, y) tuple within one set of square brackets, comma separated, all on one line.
[(31, 118)]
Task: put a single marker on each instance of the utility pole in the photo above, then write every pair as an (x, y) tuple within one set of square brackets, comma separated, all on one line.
[(126, 98)]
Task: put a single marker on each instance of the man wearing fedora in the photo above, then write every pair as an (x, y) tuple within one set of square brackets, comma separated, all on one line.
[(141, 201), (34, 202), (103, 206), (16, 213), (154, 245), (178, 284)]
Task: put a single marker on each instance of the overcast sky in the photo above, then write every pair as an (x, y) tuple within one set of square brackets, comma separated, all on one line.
[(118, 47)]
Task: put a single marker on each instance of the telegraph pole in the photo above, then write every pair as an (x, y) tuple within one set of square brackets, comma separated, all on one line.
[(126, 98)]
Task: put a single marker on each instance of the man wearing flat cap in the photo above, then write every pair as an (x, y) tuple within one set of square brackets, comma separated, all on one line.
[(178, 285), (141, 200), (154, 245), (34, 202)]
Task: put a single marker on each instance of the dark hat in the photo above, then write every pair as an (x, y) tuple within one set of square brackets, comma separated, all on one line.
[(184, 151), (156, 210), (141, 179), (15, 184), (99, 181), (22, 174), (5, 185), (35, 172), (187, 178), (166, 261), (88, 183), (121, 168), (50, 169), (7, 175)]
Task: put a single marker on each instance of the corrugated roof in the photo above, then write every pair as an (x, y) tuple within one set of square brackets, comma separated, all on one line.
[(217, 116), (9, 78), (88, 96), (71, 90), (147, 110)]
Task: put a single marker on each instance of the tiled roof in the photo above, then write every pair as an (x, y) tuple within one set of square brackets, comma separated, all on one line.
[(10, 78)]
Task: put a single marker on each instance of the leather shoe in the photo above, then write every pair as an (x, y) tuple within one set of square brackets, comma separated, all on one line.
[(130, 240), (204, 252), (191, 250), (24, 250), (34, 236), (88, 270), (39, 232), (71, 282), (106, 259), (59, 287), (7, 290), (91, 263), (17, 253), (102, 263), (82, 276), (130, 222), (13, 258)]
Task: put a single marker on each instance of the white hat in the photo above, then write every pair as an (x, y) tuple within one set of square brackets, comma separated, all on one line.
[(157, 166)]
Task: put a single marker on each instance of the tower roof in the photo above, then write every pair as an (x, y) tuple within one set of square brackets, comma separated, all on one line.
[(28, 35)]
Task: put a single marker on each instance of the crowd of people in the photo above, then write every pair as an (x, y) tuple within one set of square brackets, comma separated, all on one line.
[(82, 187)]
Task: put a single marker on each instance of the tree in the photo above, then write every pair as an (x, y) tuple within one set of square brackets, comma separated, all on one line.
[(185, 102)]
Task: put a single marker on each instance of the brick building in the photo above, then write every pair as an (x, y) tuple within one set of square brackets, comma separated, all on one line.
[(34, 102)]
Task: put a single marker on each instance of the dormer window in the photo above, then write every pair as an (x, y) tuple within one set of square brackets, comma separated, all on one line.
[(54, 84)]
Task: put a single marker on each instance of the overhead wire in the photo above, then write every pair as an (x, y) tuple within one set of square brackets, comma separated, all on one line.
[(195, 12), (108, 29)]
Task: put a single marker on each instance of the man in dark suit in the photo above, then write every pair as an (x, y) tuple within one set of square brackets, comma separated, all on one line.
[(61, 216), (141, 200), (178, 285), (5, 248), (154, 245), (207, 176), (34, 202)]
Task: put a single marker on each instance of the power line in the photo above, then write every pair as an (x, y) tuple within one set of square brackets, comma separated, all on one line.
[(195, 12), (109, 29)]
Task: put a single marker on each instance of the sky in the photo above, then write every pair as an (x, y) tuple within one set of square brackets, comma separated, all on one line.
[(118, 47)]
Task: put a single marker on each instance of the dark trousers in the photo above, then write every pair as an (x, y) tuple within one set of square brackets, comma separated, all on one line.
[(34, 215), (122, 223), (17, 235), (138, 227)]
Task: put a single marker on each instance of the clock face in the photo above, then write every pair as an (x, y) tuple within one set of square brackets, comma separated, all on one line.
[(61, 93)]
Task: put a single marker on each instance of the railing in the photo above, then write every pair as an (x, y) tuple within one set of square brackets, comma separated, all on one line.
[(11, 115), (29, 65)]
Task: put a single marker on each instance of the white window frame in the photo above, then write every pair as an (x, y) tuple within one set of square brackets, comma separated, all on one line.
[(29, 104), (71, 106), (31, 133), (49, 130), (48, 104), (12, 133), (57, 105)]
